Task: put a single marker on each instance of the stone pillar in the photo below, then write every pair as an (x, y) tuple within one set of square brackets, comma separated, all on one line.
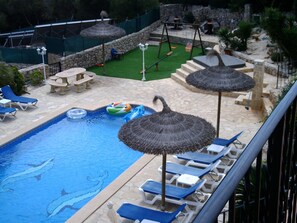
[(247, 13), (257, 92)]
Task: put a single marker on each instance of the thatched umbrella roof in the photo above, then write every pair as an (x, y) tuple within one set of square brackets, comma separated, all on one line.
[(220, 78), (103, 31), (166, 132)]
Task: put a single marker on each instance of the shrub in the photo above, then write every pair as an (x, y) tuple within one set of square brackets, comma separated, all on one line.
[(225, 36), (277, 57), (12, 77), (6, 75), (36, 77), (281, 30), (19, 80), (243, 32), (237, 40)]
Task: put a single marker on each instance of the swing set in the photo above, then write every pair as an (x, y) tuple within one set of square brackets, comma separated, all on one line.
[(165, 39)]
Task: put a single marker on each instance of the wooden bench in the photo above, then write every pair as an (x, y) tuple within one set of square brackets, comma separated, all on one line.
[(56, 85), (90, 74), (80, 83)]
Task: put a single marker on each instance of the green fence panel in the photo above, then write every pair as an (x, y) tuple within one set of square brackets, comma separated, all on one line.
[(77, 43), (73, 44), (55, 45), (20, 55), (149, 18), (129, 26)]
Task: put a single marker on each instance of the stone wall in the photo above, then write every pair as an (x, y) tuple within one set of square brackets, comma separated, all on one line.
[(93, 56), (28, 70), (268, 67), (175, 10), (224, 17)]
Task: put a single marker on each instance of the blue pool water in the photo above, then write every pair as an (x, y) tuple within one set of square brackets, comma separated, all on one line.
[(51, 172)]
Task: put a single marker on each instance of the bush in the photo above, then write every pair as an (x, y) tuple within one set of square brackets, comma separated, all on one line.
[(36, 77), (243, 32), (277, 57), (19, 80), (237, 40), (225, 36), (6, 75), (12, 77)]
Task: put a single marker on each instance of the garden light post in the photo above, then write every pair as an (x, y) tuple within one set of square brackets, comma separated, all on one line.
[(42, 51), (143, 47)]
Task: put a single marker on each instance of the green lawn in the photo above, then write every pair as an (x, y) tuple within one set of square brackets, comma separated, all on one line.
[(130, 65)]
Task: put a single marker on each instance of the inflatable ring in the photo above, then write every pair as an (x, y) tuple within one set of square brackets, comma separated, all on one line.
[(76, 113), (118, 108)]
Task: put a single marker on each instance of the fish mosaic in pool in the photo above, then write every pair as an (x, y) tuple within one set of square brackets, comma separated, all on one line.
[(51, 172)]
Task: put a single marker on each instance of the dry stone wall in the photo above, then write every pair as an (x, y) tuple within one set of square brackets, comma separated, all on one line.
[(224, 17), (93, 56)]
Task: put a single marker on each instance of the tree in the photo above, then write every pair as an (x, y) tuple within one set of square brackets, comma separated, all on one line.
[(281, 31), (63, 9), (125, 9), (91, 9), (20, 13)]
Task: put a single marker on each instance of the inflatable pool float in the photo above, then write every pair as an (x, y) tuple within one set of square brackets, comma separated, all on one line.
[(135, 113), (118, 108), (76, 113)]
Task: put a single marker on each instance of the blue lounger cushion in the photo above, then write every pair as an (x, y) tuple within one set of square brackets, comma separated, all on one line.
[(226, 142), (135, 212), (204, 158), (175, 168), (171, 191)]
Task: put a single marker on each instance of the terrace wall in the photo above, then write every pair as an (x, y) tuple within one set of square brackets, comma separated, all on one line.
[(224, 17)]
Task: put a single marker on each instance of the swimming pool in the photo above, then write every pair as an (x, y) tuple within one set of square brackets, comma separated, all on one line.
[(49, 173)]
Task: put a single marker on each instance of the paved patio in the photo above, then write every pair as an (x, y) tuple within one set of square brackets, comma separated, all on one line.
[(234, 118)]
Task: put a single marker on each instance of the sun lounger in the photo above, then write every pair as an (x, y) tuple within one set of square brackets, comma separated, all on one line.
[(204, 158), (227, 142), (134, 212), (22, 102), (152, 191), (175, 170), (6, 111), (200, 158)]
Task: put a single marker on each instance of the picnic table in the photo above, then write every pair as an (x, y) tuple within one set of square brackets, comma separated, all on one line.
[(75, 71)]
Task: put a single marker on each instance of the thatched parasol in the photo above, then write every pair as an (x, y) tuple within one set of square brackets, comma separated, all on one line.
[(166, 132), (220, 78), (103, 31)]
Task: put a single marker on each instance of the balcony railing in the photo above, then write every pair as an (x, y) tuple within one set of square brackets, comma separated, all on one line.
[(270, 192)]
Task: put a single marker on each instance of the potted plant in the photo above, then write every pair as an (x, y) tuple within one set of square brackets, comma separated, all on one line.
[(225, 39)]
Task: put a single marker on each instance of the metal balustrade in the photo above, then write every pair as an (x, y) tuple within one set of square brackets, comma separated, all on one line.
[(270, 195)]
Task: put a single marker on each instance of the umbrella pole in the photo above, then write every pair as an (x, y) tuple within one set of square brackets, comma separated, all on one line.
[(163, 182), (219, 113), (103, 57)]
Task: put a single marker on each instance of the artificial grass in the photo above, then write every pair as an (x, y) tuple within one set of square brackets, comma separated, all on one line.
[(130, 65)]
